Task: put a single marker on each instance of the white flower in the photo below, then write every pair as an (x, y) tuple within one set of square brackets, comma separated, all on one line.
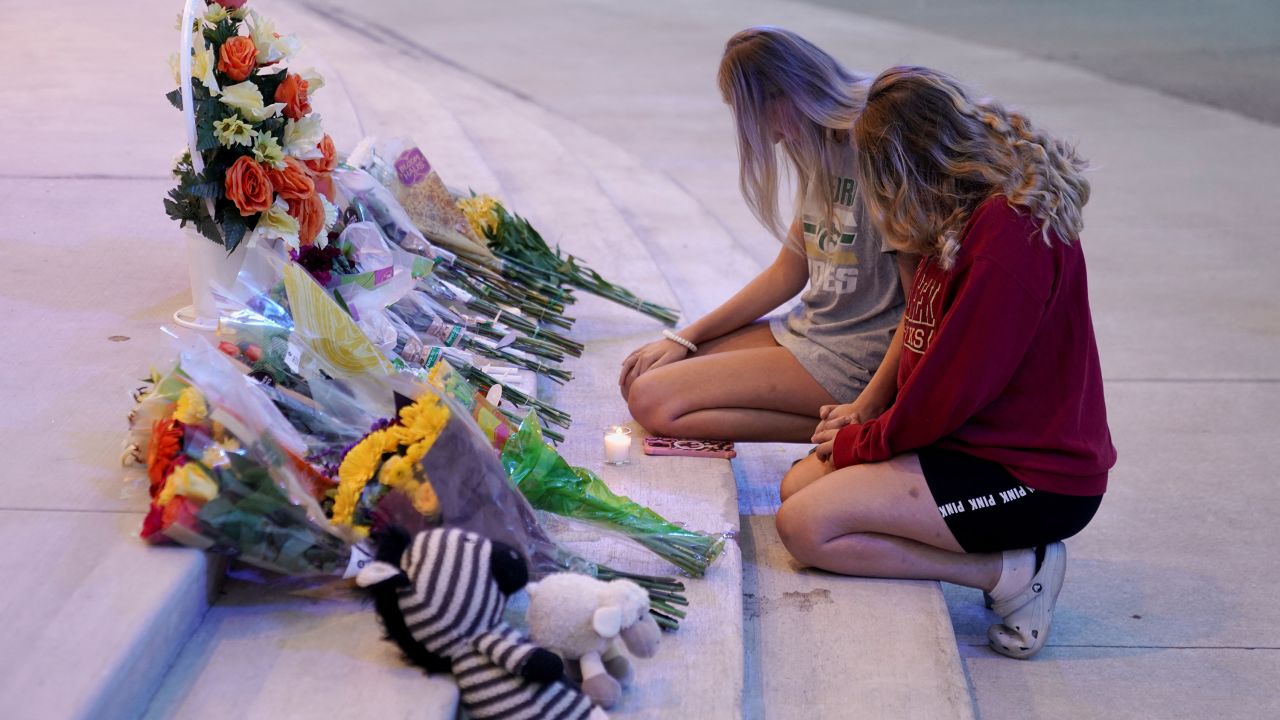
[(278, 223), (330, 219), (271, 47), (247, 99), (301, 137), (315, 80), (203, 63)]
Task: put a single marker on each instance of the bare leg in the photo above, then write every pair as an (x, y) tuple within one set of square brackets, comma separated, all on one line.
[(742, 386), (803, 474), (747, 337), (878, 520)]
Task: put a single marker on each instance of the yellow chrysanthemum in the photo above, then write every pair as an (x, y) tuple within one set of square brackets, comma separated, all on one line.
[(424, 419), (396, 472), (189, 481), (354, 472), (191, 408), (482, 214), (393, 437), (417, 451)]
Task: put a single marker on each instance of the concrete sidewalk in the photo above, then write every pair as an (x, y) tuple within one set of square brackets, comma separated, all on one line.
[(1168, 609)]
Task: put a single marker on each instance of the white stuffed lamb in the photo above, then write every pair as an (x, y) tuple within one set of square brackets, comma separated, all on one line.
[(581, 618)]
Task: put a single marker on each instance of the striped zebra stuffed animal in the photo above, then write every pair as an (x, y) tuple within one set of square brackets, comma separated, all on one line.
[(441, 595)]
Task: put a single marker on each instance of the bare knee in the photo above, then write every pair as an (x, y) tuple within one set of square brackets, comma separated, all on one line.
[(649, 403), (801, 475), (797, 532)]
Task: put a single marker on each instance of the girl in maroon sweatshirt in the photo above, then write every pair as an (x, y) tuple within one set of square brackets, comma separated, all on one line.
[(996, 447)]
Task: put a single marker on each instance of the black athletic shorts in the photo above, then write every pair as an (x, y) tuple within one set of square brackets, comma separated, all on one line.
[(989, 510)]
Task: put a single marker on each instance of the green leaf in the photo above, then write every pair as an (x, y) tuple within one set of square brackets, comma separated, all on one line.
[(234, 228), (267, 85), (211, 190), (175, 98), (221, 33)]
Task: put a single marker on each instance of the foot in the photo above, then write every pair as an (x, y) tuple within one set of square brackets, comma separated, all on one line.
[(619, 667), (603, 690), (1028, 614)]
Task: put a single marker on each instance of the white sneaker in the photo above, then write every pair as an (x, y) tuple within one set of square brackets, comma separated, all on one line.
[(1028, 614)]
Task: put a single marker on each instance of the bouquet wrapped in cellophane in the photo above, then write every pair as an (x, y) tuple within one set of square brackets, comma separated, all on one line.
[(226, 472), (271, 290), (451, 473), (503, 256), (549, 483)]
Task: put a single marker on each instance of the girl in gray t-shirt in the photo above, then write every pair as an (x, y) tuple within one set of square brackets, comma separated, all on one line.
[(732, 375)]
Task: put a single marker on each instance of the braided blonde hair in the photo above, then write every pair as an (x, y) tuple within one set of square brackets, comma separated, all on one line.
[(929, 155), (781, 85)]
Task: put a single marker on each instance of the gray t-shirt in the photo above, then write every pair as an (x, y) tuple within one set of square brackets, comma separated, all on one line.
[(841, 329)]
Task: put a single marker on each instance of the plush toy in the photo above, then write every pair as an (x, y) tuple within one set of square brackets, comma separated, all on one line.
[(441, 596), (582, 618)]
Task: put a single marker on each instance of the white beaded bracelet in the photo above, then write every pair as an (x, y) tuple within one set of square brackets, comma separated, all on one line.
[(679, 341)]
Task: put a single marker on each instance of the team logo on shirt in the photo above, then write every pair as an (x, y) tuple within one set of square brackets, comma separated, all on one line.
[(833, 261), (921, 315)]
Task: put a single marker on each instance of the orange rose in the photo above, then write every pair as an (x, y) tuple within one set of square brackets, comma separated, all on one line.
[(237, 58), (324, 186), (249, 187), (309, 212), (294, 181), (328, 161), (293, 93)]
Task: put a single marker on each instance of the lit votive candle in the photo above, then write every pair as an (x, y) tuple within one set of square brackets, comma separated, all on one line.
[(617, 445)]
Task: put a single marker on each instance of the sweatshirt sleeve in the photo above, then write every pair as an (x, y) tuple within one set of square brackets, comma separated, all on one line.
[(977, 348)]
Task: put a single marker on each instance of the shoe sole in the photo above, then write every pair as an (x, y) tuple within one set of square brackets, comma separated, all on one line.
[(1036, 613)]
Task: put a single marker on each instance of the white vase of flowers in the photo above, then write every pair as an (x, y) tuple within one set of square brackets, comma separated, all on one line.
[(257, 160)]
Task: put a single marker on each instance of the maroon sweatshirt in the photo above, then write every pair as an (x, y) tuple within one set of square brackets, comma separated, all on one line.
[(999, 361)]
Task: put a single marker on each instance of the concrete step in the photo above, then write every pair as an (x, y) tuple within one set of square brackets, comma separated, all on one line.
[(890, 640), (893, 640), (299, 640), (285, 650)]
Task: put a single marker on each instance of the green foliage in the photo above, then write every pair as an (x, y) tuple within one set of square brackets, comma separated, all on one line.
[(183, 205), (175, 98), (234, 227), (207, 113), (221, 33), (267, 85)]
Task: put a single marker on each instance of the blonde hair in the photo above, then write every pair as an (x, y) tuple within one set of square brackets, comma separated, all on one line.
[(929, 155), (779, 84)]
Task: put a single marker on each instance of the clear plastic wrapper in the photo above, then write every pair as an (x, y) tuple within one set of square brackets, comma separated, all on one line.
[(368, 200), (549, 483), (446, 471), (226, 472), (402, 169)]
